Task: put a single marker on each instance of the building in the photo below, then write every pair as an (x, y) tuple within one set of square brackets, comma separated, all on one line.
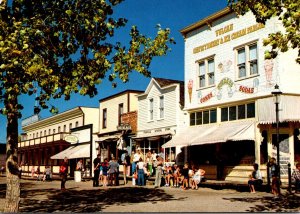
[(117, 118), (228, 97), (45, 142), (159, 115)]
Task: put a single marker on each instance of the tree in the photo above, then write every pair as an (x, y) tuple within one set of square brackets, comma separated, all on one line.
[(62, 47), (287, 11)]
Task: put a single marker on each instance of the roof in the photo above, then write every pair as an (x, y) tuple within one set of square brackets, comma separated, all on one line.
[(166, 82), (118, 94), (206, 21)]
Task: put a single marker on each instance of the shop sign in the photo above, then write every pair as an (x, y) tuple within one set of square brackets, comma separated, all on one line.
[(124, 126), (71, 139)]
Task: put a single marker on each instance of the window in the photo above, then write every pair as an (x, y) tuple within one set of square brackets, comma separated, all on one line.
[(65, 128), (33, 135), (45, 132), (161, 107), (37, 134), (76, 124), (104, 115), (53, 131), (41, 133), (151, 109), (49, 132), (58, 129), (206, 75), (70, 127), (247, 61), (203, 117), (238, 112), (121, 111)]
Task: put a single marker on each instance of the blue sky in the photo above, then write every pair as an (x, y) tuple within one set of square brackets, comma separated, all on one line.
[(146, 14)]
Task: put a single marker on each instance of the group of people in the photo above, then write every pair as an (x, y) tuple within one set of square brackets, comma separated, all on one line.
[(257, 180), (46, 175)]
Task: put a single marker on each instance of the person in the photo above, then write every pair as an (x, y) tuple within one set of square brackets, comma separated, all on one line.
[(105, 171), (96, 163), (63, 171), (153, 161), (132, 162), (149, 161), (197, 177), (296, 177), (141, 172), (37, 172), (113, 171), (273, 172), (79, 167), (47, 174), (124, 163), (176, 175), (2, 169), (185, 173), (255, 178), (136, 158), (20, 169), (128, 164), (32, 171), (169, 175), (158, 171)]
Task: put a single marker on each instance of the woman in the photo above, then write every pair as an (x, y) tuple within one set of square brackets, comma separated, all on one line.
[(140, 167), (255, 178), (104, 171), (197, 177)]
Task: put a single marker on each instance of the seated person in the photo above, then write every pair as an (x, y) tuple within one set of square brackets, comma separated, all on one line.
[(47, 174), (296, 177), (197, 177), (255, 178), (169, 175), (176, 175)]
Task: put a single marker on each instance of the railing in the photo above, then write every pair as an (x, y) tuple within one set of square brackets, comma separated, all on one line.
[(44, 139)]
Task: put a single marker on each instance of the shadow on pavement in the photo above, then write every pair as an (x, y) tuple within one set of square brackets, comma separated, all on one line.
[(72, 200), (286, 203)]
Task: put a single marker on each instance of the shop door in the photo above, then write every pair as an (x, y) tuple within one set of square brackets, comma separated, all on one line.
[(284, 152)]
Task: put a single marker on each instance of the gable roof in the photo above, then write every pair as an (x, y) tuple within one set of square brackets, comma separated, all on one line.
[(165, 83)]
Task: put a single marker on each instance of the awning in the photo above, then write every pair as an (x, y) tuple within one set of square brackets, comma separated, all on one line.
[(184, 136), (153, 135), (288, 109), (77, 151), (208, 134), (114, 137), (234, 131)]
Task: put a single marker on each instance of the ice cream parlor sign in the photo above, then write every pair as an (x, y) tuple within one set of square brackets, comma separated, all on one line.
[(226, 87)]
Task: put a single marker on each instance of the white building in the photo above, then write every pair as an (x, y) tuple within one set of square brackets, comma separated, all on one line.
[(228, 85), (159, 115)]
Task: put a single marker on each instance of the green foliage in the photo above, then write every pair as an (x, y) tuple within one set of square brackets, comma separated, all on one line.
[(62, 47), (287, 11)]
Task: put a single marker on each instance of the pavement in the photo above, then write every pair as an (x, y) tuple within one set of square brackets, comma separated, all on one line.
[(38, 196)]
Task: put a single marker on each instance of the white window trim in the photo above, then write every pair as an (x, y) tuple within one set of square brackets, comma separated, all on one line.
[(207, 73), (150, 112), (163, 107)]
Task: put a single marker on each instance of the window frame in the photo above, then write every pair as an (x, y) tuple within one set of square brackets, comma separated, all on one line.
[(104, 118), (206, 76), (161, 107), (151, 109)]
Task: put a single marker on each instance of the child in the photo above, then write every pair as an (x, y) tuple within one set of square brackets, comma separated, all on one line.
[(185, 173)]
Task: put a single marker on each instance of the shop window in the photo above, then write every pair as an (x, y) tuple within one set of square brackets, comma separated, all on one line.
[(232, 113), (241, 112), (206, 75), (250, 110), (247, 64), (238, 112), (203, 117), (224, 114)]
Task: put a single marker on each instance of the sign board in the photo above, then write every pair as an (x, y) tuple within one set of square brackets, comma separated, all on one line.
[(71, 139), (124, 126)]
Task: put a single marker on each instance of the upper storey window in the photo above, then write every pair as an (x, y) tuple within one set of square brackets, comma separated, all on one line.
[(247, 61), (206, 75)]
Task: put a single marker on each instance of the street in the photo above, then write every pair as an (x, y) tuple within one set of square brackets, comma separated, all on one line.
[(37, 196)]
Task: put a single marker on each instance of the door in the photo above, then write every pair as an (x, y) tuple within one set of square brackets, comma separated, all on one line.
[(284, 152)]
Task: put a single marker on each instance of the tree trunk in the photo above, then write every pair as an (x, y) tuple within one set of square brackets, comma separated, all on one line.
[(12, 169)]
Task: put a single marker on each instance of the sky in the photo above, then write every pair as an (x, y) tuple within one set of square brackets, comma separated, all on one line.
[(145, 14)]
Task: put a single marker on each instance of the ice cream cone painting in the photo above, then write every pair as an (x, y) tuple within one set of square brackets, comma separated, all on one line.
[(190, 89)]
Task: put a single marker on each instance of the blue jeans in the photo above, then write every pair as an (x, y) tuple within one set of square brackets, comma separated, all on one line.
[(141, 178), (158, 175), (133, 168)]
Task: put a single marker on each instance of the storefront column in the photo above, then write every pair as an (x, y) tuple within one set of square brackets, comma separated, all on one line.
[(257, 143), (46, 156), (52, 153)]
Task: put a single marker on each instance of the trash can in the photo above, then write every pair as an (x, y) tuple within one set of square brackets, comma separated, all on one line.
[(77, 176)]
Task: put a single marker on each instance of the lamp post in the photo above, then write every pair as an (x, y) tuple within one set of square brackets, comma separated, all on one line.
[(277, 94)]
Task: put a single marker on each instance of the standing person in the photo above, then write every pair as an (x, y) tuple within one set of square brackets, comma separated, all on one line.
[(113, 171), (128, 164), (105, 171), (140, 167), (96, 163), (124, 163), (63, 171), (153, 161), (185, 173), (296, 177), (79, 167), (255, 178), (149, 161), (158, 171), (274, 171), (20, 169), (132, 162)]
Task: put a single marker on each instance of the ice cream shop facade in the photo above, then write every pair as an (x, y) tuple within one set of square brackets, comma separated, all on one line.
[(228, 97)]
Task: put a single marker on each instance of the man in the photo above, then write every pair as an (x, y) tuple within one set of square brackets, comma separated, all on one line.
[(96, 163), (63, 171), (124, 163), (158, 171)]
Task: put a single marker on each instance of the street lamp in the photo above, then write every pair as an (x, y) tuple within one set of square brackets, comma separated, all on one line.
[(277, 94)]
